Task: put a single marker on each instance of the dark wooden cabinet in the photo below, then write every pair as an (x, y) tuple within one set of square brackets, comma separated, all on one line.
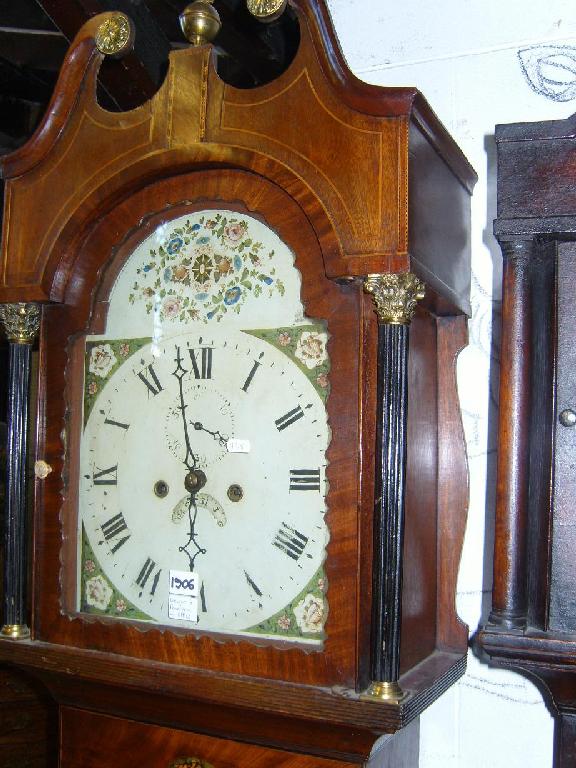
[(532, 627)]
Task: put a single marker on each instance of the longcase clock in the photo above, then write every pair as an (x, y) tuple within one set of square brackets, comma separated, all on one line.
[(250, 479)]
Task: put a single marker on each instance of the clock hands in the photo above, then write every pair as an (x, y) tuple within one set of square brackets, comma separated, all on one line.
[(195, 478), (217, 435), (190, 459)]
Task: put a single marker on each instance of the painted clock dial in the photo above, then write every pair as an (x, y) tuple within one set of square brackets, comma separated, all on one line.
[(203, 456)]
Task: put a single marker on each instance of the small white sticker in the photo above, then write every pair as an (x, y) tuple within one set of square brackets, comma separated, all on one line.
[(183, 596), (235, 445), (183, 607)]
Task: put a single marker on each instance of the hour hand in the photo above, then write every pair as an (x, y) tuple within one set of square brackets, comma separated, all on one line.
[(216, 434)]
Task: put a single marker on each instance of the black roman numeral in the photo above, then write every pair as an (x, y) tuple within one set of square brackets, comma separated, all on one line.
[(304, 479), (114, 527), (290, 541), (151, 380), (106, 476), (252, 584), (144, 576), (204, 357), (250, 376), (203, 599), (114, 423), (289, 418)]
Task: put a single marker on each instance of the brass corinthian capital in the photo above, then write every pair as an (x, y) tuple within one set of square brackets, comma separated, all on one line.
[(395, 296), (21, 322)]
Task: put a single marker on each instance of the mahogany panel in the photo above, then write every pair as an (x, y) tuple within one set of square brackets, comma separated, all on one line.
[(453, 482), (109, 740), (420, 536)]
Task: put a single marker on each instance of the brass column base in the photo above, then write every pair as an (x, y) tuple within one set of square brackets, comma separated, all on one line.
[(381, 691), (15, 631)]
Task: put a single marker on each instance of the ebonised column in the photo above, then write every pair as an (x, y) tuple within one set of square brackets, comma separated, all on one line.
[(21, 323), (395, 298)]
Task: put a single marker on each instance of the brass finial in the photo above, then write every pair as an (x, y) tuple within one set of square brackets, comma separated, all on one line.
[(266, 10), (115, 35), (395, 296), (200, 22)]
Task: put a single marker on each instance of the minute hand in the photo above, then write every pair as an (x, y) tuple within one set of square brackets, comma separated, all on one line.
[(190, 460)]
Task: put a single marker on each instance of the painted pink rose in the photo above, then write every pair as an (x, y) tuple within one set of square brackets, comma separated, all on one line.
[(102, 360), (322, 380), (311, 349), (98, 592), (235, 231), (121, 605), (309, 613), (124, 349), (284, 339), (284, 622), (171, 307), (92, 388), (89, 566)]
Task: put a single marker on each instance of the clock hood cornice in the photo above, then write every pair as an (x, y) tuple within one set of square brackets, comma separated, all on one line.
[(291, 131)]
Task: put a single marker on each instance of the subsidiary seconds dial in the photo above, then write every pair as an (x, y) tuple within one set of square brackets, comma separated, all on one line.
[(205, 454)]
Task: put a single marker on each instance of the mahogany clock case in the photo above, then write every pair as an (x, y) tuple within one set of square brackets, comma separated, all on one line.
[(374, 184)]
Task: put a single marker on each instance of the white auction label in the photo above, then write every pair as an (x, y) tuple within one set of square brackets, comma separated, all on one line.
[(184, 583), (183, 596), (235, 445)]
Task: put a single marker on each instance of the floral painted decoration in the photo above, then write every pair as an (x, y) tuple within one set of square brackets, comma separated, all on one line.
[(99, 595), (304, 617), (203, 270), (102, 359), (306, 346)]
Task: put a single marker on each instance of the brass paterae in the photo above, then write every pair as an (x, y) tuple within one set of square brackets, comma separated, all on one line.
[(114, 36), (266, 10)]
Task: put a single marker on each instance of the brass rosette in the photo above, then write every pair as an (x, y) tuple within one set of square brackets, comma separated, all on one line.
[(115, 35), (266, 10)]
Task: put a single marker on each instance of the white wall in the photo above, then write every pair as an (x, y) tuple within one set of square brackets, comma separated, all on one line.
[(478, 62)]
